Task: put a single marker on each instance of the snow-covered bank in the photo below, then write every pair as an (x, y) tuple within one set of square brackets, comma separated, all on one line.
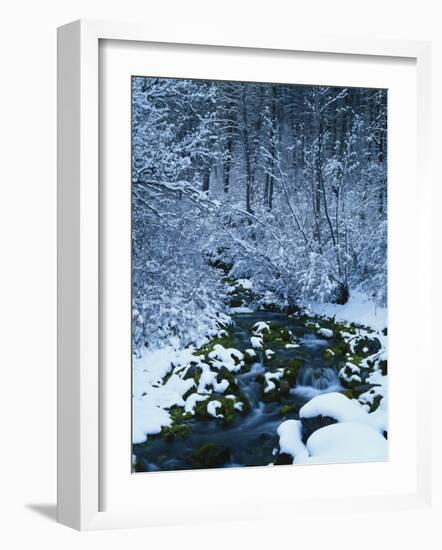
[(359, 309), (167, 377), (347, 426)]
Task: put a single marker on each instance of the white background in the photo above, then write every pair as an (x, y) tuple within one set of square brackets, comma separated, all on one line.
[(28, 277)]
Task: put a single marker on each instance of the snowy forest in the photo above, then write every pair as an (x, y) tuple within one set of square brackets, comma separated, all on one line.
[(259, 273)]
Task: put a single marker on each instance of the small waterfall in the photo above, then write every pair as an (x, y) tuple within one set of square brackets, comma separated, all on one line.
[(319, 378), (249, 387)]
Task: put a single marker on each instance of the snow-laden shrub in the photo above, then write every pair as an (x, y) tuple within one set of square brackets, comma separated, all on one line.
[(177, 298)]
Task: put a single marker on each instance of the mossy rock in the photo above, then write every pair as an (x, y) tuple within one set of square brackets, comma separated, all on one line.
[(287, 408), (291, 371), (210, 455), (226, 340), (271, 396), (373, 345), (225, 374), (176, 431), (201, 409), (277, 335), (227, 409), (194, 371), (178, 414), (250, 359), (349, 393), (341, 348)]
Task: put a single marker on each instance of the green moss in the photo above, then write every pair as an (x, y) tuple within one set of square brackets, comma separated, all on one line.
[(277, 334), (341, 348), (271, 396), (355, 359), (291, 371), (210, 455), (349, 393), (176, 431), (328, 354), (249, 359), (226, 340), (201, 409), (227, 408), (287, 409), (225, 374)]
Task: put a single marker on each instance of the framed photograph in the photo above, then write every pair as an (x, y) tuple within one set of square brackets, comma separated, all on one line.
[(235, 253)]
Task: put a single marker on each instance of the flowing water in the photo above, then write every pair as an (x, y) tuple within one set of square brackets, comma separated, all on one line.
[(251, 439)]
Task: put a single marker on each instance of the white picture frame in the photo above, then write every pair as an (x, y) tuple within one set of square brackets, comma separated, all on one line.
[(79, 266)]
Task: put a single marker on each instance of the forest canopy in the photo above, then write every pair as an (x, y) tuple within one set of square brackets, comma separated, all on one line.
[(284, 185)]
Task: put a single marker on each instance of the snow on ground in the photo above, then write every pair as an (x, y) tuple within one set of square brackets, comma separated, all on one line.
[(359, 309), (241, 309), (325, 332), (151, 396), (160, 382)]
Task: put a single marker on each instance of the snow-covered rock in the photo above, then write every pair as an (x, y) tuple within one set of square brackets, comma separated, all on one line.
[(346, 442), (230, 358), (290, 440), (342, 409), (325, 332), (260, 327), (256, 342), (212, 407)]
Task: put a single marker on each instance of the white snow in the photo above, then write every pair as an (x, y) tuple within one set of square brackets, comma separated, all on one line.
[(269, 353), (346, 442), (290, 441), (359, 309), (250, 352), (338, 406), (260, 327), (191, 401), (256, 342), (350, 373), (325, 332), (269, 377), (151, 396), (212, 407), (209, 378), (291, 346), (246, 284), (241, 309), (230, 358), (148, 418)]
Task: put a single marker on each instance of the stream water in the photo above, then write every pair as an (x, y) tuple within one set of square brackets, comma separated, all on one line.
[(251, 439)]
